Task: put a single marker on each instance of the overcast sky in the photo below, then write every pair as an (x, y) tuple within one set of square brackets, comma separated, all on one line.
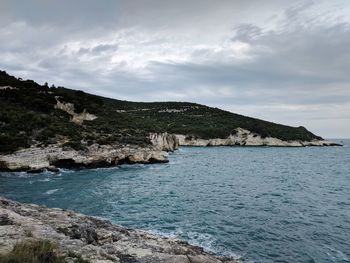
[(279, 60)]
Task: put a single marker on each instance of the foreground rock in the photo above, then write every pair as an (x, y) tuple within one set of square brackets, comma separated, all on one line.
[(94, 239)]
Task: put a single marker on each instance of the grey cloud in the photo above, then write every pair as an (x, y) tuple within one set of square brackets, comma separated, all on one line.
[(247, 32), (104, 47), (294, 12), (82, 14), (294, 68), (98, 49)]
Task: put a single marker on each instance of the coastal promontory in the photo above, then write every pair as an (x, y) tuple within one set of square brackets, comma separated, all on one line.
[(48, 127)]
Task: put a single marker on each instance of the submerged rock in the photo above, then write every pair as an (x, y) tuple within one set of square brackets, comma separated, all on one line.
[(36, 171), (53, 169), (94, 239)]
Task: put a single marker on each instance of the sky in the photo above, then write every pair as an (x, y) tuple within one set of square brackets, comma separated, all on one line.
[(278, 60)]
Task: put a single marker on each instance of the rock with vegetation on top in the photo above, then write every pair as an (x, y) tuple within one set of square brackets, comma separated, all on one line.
[(44, 127), (243, 137), (36, 159)]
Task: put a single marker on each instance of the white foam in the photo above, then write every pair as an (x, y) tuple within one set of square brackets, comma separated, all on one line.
[(50, 192), (176, 234), (204, 240), (45, 180), (336, 254)]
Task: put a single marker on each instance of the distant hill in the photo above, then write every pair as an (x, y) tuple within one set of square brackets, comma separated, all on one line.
[(33, 114)]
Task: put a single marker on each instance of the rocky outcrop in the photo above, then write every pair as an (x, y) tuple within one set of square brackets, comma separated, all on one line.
[(77, 118), (239, 137), (36, 159), (94, 239), (242, 137), (7, 88), (164, 141)]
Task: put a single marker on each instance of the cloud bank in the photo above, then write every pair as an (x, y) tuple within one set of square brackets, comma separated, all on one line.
[(281, 61)]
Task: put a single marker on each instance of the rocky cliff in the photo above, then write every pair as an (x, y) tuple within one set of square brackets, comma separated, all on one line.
[(48, 127), (164, 141), (52, 157), (92, 239), (34, 115), (243, 137)]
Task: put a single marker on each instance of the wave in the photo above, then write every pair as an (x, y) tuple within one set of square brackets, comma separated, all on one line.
[(47, 179), (336, 255), (16, 174), (50, 192), (204, 240)]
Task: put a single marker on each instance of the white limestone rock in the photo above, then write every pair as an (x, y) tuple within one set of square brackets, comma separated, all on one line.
[(245, 137), (77, 118), (164, 141), (39, 158)]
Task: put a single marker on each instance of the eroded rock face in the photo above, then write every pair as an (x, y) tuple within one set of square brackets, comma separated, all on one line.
[(244, 137), (164, 141), (77, 118), (35, 159), (94, 239)]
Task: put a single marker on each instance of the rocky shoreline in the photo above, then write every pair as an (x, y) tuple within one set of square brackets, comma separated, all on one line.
[(38, 159), (93, 239), (242, 137)]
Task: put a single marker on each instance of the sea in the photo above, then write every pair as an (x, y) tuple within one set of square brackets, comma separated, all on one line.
[(258, 204)]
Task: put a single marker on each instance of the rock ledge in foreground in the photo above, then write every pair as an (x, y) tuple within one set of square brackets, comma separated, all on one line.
[(94, 239)]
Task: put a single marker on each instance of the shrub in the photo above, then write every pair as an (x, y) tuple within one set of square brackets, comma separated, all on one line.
[(76, 145), (38, 251)]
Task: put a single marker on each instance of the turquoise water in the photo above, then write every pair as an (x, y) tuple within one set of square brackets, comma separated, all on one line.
[(260, 204)]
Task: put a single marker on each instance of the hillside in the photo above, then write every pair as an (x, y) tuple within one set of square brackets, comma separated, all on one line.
[(33, 114)]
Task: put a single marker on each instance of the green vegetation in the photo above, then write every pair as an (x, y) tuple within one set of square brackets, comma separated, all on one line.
[(37, 251), (32, 252), (28, 117)]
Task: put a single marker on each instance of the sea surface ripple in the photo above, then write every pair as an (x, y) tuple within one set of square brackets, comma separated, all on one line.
[(259, 204)]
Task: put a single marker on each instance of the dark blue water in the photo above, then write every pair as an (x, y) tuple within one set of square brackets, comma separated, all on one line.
[(262, 204)]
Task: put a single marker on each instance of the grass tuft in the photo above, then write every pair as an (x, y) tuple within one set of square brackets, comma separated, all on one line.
[(36, 251)]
